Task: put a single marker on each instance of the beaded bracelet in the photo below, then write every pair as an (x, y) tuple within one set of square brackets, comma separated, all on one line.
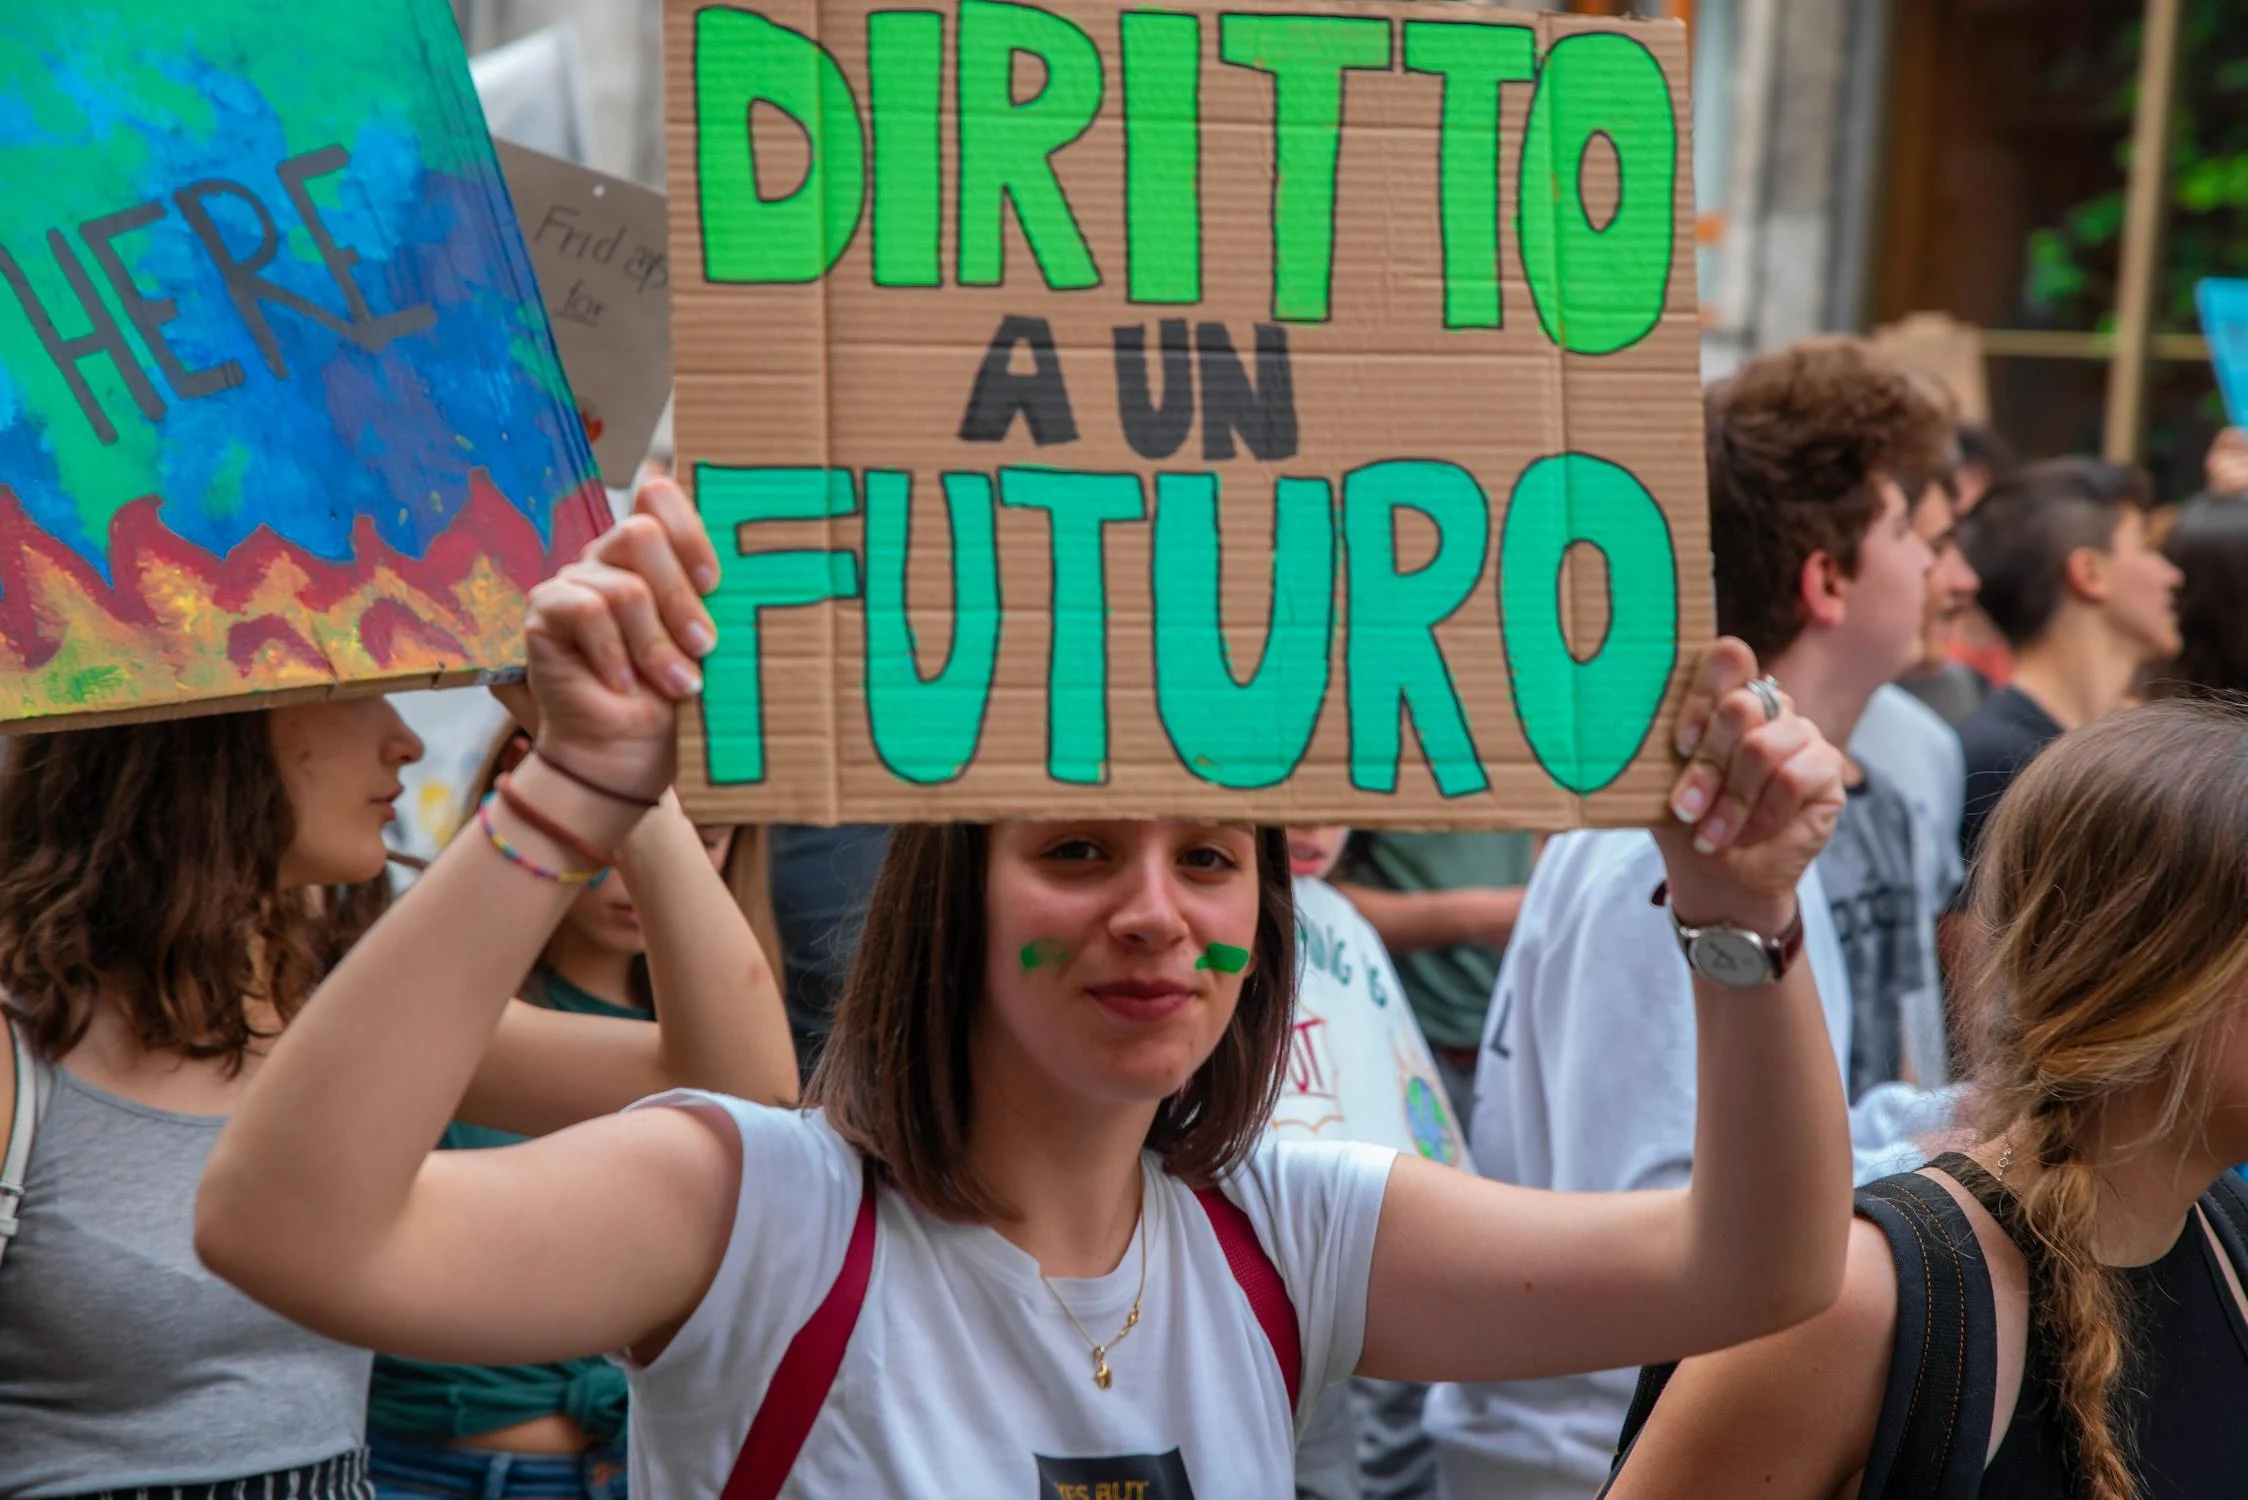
[(522, 861)]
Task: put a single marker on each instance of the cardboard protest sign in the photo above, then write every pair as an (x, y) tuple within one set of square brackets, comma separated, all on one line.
[(1947, 351), (279, 410), (1207, 410), (2224, 320), (598, 247)]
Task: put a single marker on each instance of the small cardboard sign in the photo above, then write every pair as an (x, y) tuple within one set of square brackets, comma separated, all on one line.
[(279, 410), (2224, 320), (1946, 350), (597, 244), (1207, 411)]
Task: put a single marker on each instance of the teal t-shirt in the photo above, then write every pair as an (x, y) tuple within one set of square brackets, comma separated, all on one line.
[(437, 1403), (1449, 988)]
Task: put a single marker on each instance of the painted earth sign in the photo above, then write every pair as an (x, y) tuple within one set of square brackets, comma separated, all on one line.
[(280, 412)]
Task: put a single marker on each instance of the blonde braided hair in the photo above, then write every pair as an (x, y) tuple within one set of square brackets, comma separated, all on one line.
[(2107, 900)]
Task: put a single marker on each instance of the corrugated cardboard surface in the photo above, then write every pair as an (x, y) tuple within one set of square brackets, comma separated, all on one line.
[(1945, 349), (598, 248), (845, 374)]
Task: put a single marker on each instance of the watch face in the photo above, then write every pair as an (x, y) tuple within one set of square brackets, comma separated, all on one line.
[(1732, 958)]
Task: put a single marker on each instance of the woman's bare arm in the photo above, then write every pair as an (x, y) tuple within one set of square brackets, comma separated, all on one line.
[(1475, 1280), (1790, 1416), (1410, 921), (719, 1025), (323, 1198), (324, 1201), (490, 1261)]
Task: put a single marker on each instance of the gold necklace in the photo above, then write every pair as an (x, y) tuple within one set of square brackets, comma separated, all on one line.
[(2005, 1160), (1101, 1375)]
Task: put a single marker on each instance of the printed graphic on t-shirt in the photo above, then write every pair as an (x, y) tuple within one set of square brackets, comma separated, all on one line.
[(1125, 1476), (1357, 1067), (1429, 1118), (1308, 1097), (1868, 872)]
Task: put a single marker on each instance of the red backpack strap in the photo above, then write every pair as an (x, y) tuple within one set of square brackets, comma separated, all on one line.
[(807, 1371), (1260, 1282)]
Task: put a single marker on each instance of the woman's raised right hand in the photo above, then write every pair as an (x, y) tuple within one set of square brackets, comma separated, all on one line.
[(614, 640)]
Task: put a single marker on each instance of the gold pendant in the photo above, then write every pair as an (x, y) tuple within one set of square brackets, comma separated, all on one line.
[(1101, 1376)]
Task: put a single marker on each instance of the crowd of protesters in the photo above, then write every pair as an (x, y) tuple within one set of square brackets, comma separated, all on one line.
[(964, 1160)]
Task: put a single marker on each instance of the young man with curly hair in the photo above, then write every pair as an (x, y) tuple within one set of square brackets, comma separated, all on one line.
[(1821, 458)]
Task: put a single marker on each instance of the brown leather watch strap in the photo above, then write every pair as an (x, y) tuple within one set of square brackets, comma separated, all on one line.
[(1786, 945)]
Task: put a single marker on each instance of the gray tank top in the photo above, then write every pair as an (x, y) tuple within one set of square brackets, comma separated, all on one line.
[(123, 1362)]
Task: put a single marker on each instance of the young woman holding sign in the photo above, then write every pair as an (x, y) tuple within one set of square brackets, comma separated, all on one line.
[(169, 895), (1032, 1236)]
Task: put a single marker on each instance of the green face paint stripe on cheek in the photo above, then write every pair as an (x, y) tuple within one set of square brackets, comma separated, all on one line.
[(1042, 951), (1223, 957)]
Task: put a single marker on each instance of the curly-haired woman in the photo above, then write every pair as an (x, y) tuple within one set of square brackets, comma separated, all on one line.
[(170, 893)]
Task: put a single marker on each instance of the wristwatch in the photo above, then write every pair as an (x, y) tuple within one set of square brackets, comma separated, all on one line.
[(1734, 956)]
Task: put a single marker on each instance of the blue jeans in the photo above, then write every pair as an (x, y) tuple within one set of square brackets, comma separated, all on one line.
[(412, 1471)]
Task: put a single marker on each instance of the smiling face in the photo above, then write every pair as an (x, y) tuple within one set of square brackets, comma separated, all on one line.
[(1108, 951), (340, 762)]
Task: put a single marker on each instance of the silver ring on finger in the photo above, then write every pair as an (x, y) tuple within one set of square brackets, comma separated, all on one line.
[(1767, 690)]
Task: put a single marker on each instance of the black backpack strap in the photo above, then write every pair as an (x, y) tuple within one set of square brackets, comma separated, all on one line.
[(1997, 1199), (1934, 1425), (1935, 1410), (2226, 1204), (1652, 1379)]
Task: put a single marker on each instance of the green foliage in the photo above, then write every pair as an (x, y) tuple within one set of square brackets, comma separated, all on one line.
[(2065, 282)]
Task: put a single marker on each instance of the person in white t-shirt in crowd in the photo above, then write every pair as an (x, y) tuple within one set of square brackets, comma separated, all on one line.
[(1358, 1069), (1903, 743), (1590, 1078), (1050, 1245), (1358, 1066)]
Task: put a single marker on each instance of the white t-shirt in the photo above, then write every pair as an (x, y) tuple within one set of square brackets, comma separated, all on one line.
[(963, 1378), (1904, 741), (1586, 1083), (1358, 1067), (1358, 1070)]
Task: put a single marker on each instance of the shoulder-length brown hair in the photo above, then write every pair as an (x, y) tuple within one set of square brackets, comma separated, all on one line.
[(141, 864), (895, 1078)]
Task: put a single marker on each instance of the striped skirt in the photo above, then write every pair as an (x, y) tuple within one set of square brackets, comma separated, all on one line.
[(343, 1477)]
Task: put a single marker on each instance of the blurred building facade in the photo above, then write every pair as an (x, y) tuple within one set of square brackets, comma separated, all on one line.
[(2055, 174)]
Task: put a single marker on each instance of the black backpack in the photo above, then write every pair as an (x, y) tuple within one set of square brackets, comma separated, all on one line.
[(1934, 1427)]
